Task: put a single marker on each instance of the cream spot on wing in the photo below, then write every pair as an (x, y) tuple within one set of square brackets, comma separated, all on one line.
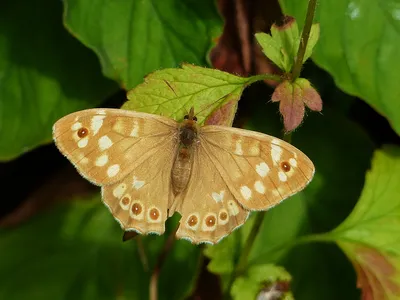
[(209, 222), (83, 142), (112, 170), (193, 221), (84, 161), (76, 126), (96, 123), (218, 197), (137, 184), (259, 187), (102, 160), (101, 112), (282, 176), (135, 130), (246, 192), (255, 149), (278, 192), (119, 190), (262, 169), (238, 149), (125, 202), (105, 142), (233, 208), (223, 217), (293, 162), (276, 153), (136, 210), (119, 126), (153, 215)]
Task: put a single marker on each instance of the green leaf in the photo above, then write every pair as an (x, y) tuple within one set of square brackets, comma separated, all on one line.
[(272, 49), (134, 38), (369, 236), (359, 48), (262, 279), (312, 41), (43, 76), (310, 211), (76, 252), (172, 92)]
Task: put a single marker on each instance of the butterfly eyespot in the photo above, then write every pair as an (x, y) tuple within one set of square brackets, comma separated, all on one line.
[(195, 119), (210, 221), (136, 209), (154, 214), (125, 201), (192, 221), (186, 117), (223, 216), (82, 132), (285, 166)]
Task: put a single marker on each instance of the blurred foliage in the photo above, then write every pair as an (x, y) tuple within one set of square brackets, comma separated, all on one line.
[(52, 65)]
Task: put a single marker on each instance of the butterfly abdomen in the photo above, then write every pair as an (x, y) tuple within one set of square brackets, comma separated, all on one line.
[(183, 162), (181, 170)]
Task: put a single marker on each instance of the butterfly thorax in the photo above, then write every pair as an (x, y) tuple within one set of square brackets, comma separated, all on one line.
[(184, 159)]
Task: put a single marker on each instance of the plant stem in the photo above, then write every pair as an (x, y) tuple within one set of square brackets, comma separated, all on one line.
[(260, 77), (153, 287), (304, 39)]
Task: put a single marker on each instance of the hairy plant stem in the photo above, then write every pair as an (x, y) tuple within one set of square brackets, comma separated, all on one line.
[(304, 39), (242, 264), (153, 287)]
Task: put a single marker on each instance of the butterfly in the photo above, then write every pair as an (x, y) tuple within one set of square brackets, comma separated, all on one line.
[(150, 166)]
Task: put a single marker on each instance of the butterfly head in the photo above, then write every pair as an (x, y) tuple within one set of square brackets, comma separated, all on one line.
[(188, 129)]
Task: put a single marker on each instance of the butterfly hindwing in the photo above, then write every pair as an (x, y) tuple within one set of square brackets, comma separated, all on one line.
[(141, 200), (105, 145), (259, 170), (209, 210)]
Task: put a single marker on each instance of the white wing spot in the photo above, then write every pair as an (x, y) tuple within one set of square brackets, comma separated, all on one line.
[(282, 176), (276, 153), (262, 169), (246, 192), (96, 123), (102, 160), (233, 208), (239, 150), (218, 197), (112, 170), (105, 142), (259, 187), (119, 190), (76, 126), (135, 130), (293, 162), (83, 142), (137, 184), (101, 112)]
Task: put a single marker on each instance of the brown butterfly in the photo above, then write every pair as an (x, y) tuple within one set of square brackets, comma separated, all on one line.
[(150, 167)]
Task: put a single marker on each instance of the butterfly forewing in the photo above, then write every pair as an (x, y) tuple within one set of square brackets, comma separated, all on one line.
[(209, 210), (106, 145), (259, 170)]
